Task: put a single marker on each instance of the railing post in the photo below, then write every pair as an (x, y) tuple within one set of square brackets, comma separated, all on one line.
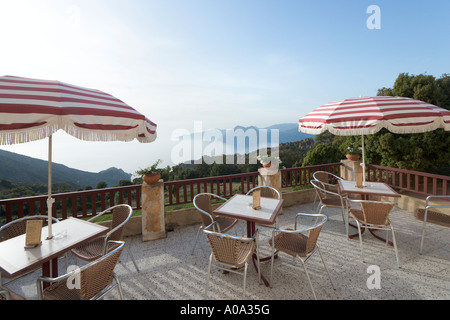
[(153, 222), (348, 169), (270, 177)]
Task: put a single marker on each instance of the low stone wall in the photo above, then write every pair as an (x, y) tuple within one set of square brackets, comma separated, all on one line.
[(186, 217)]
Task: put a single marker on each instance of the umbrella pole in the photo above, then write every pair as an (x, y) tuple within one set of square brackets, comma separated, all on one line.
[(363, 164), (50, 200)]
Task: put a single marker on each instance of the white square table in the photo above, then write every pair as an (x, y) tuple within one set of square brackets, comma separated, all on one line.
[(371, 188), (241, 207), (15, 260)]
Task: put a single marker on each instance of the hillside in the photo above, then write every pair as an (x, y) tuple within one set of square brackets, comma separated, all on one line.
[(287, 132), (20, 168)]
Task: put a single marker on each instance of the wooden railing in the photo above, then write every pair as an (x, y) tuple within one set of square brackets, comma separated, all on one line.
[(413, 181), (81, 204), (88, 203), (303, 175), (184, 191)]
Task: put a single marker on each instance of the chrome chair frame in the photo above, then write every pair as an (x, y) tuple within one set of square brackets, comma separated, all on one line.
[(427, 207), (319, 221), (376, 226), (327, 186), (319, 187), (121, 225), (100, 294), (229, 267), (6, 294), (212, 223)]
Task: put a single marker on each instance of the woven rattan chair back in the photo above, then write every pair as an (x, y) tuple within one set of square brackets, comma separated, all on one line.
[(320, 191), (313, 237), (19, 226), (322, 176), (231, 253), (99, 275), (266, 191), (376, 213), (230, 250), (203, 202), (119, 215), (295, 243), (91, 282)]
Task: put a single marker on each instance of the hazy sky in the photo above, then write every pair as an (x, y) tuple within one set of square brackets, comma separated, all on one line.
[(222, 62)]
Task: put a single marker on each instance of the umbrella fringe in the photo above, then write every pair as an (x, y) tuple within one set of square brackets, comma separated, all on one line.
[(46, 130), (37, 133), (320, 128)]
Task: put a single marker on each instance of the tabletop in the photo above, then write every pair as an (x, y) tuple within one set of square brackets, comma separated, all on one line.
[(371, 188), (240, 206), (67, 234)]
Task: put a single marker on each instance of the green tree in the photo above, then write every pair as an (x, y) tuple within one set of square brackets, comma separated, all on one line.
[(101, 185), (423, 151), (321, 154)]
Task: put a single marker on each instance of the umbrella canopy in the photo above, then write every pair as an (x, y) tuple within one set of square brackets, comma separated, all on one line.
[(368, 115), (33, 109)]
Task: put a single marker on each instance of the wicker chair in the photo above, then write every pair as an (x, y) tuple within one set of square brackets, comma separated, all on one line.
[(326, 178), (267, 192), (432, 216), (16, 228), (294, 243), (90, 282), (98, 247), (231, 253), (373, 215), (202, 202), (330, 199), (7, 294)]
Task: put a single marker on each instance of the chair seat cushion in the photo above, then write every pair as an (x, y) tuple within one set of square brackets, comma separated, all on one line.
[(332, 201), (434, 217), (60, 291), (225, 224), (90, 250), (291, 243), (93, 249)]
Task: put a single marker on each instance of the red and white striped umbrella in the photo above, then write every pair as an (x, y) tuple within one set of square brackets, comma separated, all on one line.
[(33, 109), (368, 115)]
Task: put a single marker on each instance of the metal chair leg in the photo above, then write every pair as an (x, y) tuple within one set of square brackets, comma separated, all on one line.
[(132, 258), (196, 238), (119, 287), (395, 246), (209, 275), (309, 279), (360, 241), (423, 235), (245, 279), (326, 269)]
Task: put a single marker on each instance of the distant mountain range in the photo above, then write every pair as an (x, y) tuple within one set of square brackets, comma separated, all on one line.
[(287, 132), (20, 168)]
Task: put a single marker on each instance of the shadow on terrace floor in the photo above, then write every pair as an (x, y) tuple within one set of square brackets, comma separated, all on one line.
[(170, 272)]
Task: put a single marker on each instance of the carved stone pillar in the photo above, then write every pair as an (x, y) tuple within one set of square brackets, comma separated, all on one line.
[(153, 222)]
